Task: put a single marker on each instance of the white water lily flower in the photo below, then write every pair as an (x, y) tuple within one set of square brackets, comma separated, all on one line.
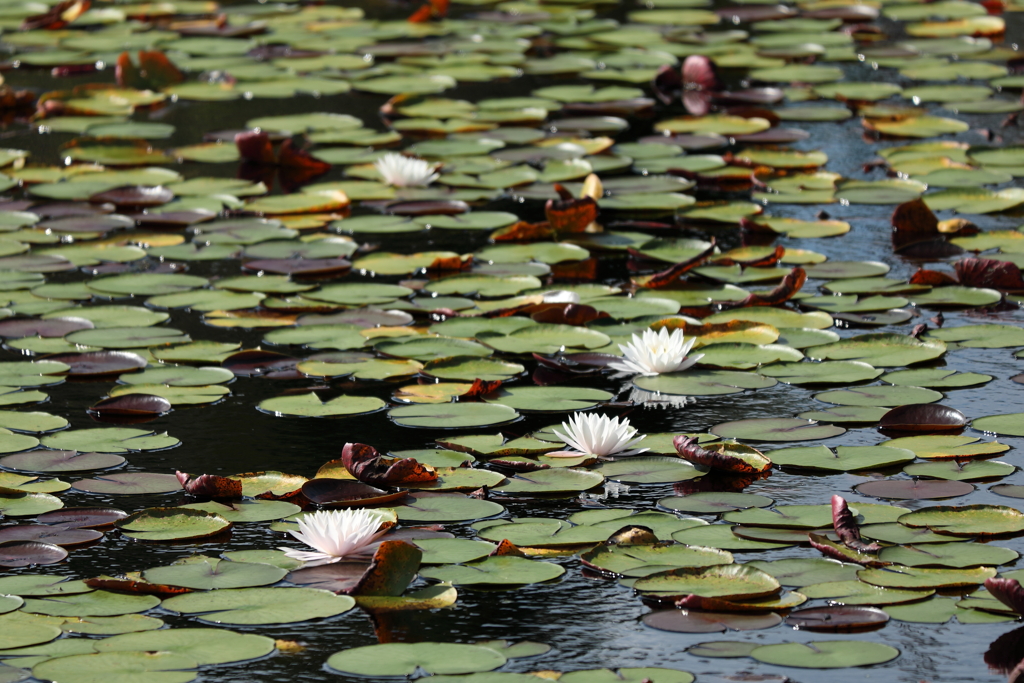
[(335, 534), (658, 352), (592, 434), (399, 170)]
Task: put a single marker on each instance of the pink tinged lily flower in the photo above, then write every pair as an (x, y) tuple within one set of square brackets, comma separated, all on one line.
[(655, 353), (600, 435), (399, 170), (335, 534)]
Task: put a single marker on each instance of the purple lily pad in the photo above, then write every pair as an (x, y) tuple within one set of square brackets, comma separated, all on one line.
[(43, 460), (17, 328), (94, 363), (28, 553), (82, 517), (44, 533), (914, 489)]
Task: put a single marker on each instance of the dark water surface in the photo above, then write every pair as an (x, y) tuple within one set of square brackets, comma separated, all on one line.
[(589, 623)]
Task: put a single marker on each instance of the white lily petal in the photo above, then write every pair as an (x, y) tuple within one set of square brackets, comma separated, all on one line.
[(399, 170), (655, 353), (335, 534), (599, 435)]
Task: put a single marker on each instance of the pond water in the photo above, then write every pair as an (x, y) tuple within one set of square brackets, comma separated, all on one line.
[(588, 622)]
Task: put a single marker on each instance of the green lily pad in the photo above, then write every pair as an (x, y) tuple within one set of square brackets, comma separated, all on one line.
[(969, 520), (445, 507), (733, 582), (310, 405), (118, 667), (406, 659), (776, 429), (552, 481), (92, 604), (704, 382), (260, 606), (843, 459), (213, 574), (828, 654), (109, 440), (452, 415), (495, 571), (204, 645), (171, 524)]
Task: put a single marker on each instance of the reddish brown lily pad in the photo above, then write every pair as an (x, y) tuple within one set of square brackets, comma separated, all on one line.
[(42, 460), (687, 621), (928, 418), (914, 489), (1007, 591), (837, 619), (94, 363), (17, 328), (82, 517), (139, 196), (347, 493), (300, 266), (54, 535), (28, 553), (129, 408)]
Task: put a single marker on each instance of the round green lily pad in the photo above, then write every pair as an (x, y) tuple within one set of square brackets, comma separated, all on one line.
[(260, 606), (452, 415), (310, 405), (501, 570), (171, 524), (829, 654), (406, 659), (204, 645)]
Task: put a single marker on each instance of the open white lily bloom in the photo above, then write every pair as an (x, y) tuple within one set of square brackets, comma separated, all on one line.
[(335, 534), (658, 352), (399, 170), (592, 434)]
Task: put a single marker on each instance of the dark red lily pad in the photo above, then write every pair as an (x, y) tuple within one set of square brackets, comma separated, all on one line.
[(17, 328), (928, 418), (28, 553), (568, 213), (88, 223), (210, 486), (439, 207), (136, 196), (847, 528), (369, 466), (914, 489), (44, 533), (173, 219), (727, 459), (347, 493), (688, 621), (837, 619), (990, 273), (773, 136), (1007, 591), (94, 363), (129, 408), (300, 266), (50, 210), (260, 363), (82, 517), (42, 460)]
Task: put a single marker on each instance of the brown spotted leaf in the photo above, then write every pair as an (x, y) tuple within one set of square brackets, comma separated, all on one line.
[(210, 486), (369, 466), (990, 273), (393, 568)]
